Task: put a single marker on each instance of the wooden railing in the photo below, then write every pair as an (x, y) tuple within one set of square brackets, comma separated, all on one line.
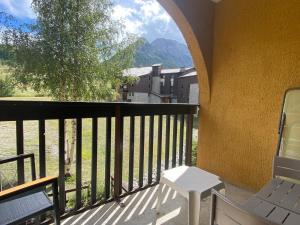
[(19, 111)]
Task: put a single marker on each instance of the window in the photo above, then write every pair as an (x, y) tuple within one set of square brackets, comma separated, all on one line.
[(162, 80), (172, 81)]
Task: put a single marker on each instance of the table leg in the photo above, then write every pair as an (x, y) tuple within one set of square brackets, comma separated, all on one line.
[(159, 197), (194, 201)]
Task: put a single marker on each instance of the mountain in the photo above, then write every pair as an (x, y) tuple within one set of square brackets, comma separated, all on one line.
[(169, 53)]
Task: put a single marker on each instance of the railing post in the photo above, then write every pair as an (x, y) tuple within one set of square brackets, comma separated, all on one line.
[(61, 156), (78, 162), (167, 147), (174, 141), (107, 158), (189, 137), (141, 157), (42, 148), (150, 155), (159, 145), (131, 153), (20, 151), (181, 137), (118, 152), (94, 160)]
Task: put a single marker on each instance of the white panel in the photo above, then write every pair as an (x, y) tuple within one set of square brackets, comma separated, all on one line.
[(194, 93), (139, 97), (156, 84)]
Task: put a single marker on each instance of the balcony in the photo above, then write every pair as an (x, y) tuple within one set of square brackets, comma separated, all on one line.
[(140, 141), (140, 209)]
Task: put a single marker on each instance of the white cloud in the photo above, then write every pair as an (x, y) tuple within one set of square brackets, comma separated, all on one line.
[(121, 12), (140, 14), (127, 17), (141, 17), (152, 10), (18, 8)]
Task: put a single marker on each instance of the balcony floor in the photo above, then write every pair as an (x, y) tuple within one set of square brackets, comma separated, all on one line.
[(140, 209)]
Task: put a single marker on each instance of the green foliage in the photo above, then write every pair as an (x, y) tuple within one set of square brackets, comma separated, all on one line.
[(85, 197), (4, 54), (70, 180), (71, 201), (129, 80), (74, 51), (6, 87)]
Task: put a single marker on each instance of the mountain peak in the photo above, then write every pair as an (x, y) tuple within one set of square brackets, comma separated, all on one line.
[(170, 53), (164, 40)]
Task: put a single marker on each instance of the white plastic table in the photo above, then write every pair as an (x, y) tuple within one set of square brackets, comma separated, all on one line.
[(192, 183)]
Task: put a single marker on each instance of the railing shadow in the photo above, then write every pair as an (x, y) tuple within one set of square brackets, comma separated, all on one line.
[(139, 210)]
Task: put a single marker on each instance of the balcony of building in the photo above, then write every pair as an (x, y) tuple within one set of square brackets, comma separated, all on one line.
[(246, 54)]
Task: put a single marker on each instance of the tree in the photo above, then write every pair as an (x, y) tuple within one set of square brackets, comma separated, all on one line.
[(74, 52), (6, 87)]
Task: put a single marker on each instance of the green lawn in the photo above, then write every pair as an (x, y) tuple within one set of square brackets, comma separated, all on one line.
[(8, 146)]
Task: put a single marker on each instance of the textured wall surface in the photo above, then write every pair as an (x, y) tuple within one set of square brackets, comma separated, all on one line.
[(256, 57)]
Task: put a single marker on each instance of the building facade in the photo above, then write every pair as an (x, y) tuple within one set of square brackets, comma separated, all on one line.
[(157, 85)]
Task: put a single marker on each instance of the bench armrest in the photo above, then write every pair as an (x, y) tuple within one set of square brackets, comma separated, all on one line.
[(21, 158), (30, 186)]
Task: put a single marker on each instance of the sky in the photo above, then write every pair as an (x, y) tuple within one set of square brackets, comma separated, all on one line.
[(145, 18)]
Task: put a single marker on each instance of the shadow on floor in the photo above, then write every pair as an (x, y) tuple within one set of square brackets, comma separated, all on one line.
[(140, 209)]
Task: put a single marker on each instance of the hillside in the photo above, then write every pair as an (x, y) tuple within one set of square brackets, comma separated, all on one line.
[(168, 52)]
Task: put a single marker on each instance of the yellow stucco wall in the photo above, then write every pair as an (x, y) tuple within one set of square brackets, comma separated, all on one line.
[(256, 56)]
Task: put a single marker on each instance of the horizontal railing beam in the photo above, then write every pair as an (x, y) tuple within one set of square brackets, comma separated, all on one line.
[(41, 110)]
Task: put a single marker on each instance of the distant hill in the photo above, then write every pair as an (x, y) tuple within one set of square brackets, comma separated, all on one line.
[(170, 53)]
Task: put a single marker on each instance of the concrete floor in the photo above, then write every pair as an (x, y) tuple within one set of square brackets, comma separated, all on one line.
[(140, 209)]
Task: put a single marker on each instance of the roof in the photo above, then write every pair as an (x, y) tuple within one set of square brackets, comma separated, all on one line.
[(177, 70), (140, 71), (158, 64), (137, 71), (191, 74)]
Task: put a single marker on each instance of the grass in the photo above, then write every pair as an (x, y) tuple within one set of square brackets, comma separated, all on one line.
[(8, 148)]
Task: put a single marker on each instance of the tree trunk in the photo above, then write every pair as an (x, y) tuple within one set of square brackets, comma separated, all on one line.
[(70, 147), (67, 152)]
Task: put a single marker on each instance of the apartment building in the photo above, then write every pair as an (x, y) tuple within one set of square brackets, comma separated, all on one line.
[(158, 85)]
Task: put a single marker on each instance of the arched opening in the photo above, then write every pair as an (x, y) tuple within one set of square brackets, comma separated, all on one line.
[(202, 61)]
